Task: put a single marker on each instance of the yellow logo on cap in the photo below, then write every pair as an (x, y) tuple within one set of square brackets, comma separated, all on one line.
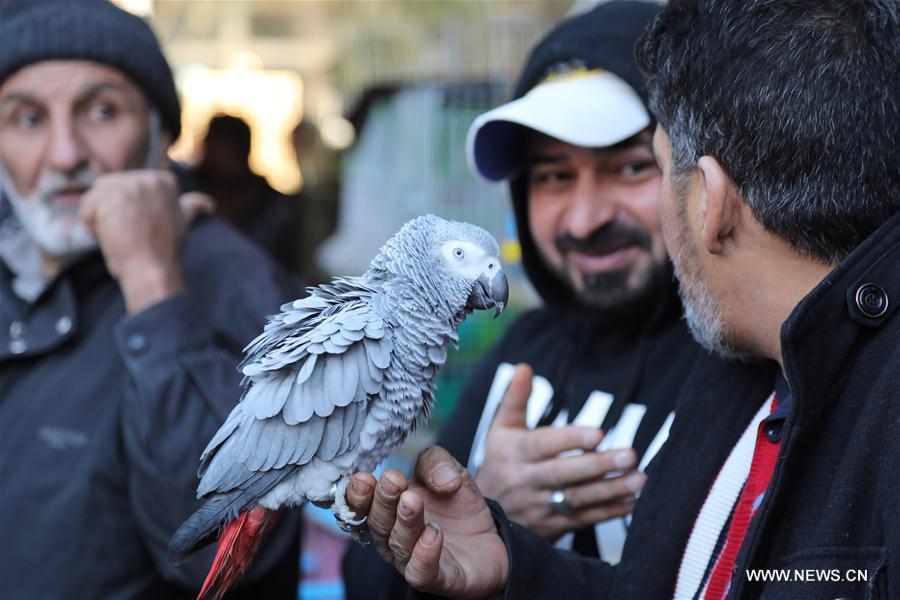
[(568, 72)]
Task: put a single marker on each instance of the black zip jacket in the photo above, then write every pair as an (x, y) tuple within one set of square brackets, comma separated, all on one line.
[(103, 417), (829, 525)]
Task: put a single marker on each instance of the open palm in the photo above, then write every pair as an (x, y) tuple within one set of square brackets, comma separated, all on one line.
[(436, 529)]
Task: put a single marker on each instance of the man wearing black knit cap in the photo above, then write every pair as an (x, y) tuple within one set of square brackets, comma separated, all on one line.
[(123, 311), (607, 349)]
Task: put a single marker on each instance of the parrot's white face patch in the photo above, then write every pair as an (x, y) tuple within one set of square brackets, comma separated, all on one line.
[(468, 259)]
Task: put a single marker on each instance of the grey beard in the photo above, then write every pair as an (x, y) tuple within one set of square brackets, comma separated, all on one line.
[(701, 311), (58, 233), (702, 315)]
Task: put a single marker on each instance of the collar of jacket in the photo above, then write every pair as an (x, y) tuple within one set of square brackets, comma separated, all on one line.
[(31, 329), (827, 330)]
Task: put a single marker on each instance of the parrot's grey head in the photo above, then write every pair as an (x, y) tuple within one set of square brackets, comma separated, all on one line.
[(456, 264)]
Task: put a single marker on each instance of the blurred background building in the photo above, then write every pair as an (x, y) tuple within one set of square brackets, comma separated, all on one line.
[(385, 91)]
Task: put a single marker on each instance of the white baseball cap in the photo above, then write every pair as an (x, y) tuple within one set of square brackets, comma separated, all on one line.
[(589, 108)]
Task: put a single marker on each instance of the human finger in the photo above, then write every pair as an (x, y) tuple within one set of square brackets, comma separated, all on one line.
[(407, 528), (566, 471), (606, 511), (87, 211), (360, 493), (194, 204), (423, 571), (439, 471), (383, 511), (513, 407), (580, 497), (549, 442)]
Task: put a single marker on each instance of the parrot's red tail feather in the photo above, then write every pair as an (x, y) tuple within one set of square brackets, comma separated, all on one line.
[(237, 546)]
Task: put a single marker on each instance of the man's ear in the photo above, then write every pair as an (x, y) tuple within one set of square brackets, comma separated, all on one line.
[(719, 204)]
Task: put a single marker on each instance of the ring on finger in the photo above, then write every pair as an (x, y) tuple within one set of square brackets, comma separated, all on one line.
[(558, 503)]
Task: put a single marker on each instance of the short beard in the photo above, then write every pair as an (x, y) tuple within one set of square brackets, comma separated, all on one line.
[(611, 290), (702, 311), (618, 289), (59, 232)]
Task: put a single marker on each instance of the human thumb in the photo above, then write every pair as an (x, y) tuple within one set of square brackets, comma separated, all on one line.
[(514, 405)]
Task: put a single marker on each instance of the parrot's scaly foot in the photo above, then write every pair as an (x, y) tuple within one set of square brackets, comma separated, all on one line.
[(346, 518)]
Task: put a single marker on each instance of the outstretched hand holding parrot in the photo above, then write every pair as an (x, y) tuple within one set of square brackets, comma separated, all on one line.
[(334, 384)]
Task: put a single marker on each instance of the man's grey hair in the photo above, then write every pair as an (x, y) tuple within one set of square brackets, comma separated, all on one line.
[(797, 100)]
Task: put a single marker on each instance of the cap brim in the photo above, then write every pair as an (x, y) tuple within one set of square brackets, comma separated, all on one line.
[(593, 111)]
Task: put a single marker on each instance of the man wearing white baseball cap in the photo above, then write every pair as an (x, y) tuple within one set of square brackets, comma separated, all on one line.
[(608, 348), (591, 108)]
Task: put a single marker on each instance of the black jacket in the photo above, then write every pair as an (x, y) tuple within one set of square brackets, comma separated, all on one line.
[(103, 417), (833, 505)]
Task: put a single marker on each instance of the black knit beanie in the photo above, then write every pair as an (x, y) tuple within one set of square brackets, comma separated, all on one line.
[(94, 30)]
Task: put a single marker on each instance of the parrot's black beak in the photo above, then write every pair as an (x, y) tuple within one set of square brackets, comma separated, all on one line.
[(491, 292)]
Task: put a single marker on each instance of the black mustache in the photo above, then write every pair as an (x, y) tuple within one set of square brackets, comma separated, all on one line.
[(609, 237)]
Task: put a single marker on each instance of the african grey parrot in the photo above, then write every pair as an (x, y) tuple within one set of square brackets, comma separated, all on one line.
[(335, 383)]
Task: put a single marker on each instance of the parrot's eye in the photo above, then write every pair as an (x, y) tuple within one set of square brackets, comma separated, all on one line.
[(458, 252), (490, 266)]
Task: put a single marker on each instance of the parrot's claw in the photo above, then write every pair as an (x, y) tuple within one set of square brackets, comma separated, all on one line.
[(346, 518), (357, 529), (351, 525)]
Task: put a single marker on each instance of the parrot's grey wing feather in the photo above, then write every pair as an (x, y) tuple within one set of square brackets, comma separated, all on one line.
[(224, 432), (303, 452), (301, 403), (350, 417), (269, 399), (307, 368), (271, 445), (309, 376), (331, 438)]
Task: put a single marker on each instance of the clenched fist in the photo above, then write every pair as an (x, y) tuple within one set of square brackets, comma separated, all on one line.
[(139, 221)]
